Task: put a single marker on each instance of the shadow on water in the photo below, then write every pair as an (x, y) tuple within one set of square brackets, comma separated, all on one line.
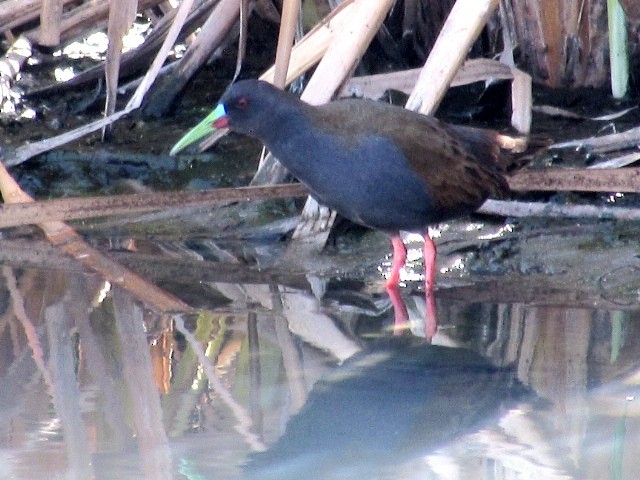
[(276, 384)]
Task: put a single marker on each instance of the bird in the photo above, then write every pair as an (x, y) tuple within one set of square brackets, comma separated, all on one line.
[(377, 164)]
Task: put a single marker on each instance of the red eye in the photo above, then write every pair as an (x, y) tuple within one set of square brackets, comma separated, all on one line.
[(242, 103)]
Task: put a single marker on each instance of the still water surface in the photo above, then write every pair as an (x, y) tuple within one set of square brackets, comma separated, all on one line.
[(270, 382)]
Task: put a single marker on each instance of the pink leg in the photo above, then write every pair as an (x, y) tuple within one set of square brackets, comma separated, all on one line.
[(399, 259), (429, 256)]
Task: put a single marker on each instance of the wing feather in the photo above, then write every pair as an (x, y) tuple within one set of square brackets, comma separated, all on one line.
[(459, 164)]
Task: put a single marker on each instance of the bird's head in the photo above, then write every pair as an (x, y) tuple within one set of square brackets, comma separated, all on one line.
[(246, 107)]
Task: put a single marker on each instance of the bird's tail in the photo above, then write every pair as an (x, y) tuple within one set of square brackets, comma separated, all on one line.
[(514, 152), (520, 151)]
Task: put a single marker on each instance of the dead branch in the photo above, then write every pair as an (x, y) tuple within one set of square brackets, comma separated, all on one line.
[(581, 180), (475, 70), (290, 9), (605, 143), (50, 24), (463, 25)]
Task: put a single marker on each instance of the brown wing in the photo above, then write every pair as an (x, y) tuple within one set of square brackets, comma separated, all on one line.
[(457, 163)]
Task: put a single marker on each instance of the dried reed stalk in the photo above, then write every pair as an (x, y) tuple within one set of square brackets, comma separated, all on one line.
[(308, 51), (463, 25), (288, 22), (15, 13), (50, 25), (121, 15), (213, 32)]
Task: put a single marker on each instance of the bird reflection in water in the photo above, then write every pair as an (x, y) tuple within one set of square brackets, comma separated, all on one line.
[(385, 408)]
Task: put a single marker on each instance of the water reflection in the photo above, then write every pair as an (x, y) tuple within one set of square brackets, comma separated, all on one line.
[(384, 410), (279, 384)]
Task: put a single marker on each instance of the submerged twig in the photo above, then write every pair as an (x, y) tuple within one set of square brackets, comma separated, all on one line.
[(15, 214), (28, 327)]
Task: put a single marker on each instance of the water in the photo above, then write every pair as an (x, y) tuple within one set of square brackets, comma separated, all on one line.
[(293, 367), (270, 382)]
